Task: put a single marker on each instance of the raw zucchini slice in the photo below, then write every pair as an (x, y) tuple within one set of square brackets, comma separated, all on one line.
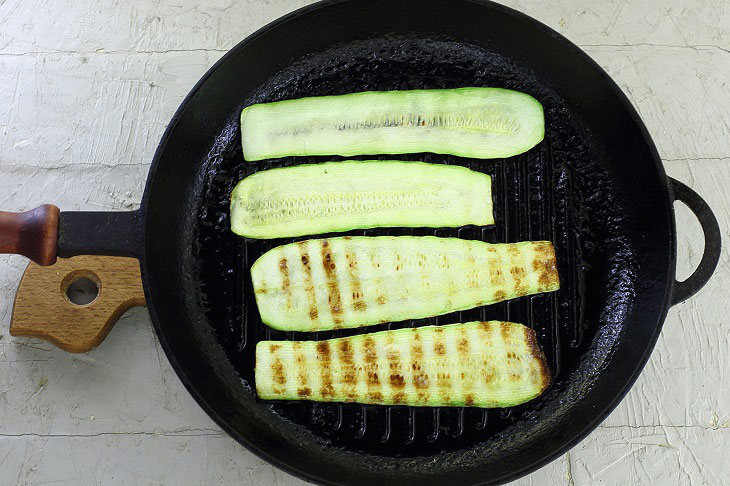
[(358, 281), (479, 364), (340, 196), (470, 122)]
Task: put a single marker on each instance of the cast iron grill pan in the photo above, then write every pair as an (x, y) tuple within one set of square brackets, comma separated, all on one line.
[(556, 192)]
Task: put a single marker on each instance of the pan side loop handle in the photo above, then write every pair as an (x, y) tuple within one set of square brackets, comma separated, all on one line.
[(33, 234), (682, 291)]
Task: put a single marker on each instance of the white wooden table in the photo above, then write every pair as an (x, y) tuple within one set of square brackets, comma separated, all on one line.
[(86, 88)]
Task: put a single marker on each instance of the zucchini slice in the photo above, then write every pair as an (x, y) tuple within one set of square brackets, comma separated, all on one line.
[(477, 364), (359, 281), (340, 196), (469, 122)]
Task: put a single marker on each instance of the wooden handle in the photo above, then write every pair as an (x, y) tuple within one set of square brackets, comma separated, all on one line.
[(44, 309), (33, 234)]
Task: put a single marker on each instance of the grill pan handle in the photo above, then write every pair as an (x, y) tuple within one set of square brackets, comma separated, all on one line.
[(33, 234), (109, 233), (682, 291), (44, 233)]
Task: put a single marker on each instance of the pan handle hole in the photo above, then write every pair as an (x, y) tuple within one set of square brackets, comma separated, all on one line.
[(690, 241), (81, 287)]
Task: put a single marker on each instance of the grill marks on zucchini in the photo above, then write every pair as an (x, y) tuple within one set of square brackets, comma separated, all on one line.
[(483, 364), (359, 281), (469, 122), (339, 196), (333, 287)]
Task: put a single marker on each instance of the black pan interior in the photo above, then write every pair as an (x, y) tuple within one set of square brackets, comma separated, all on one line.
[(594, 187)]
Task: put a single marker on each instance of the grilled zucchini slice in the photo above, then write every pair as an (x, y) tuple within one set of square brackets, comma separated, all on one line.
[(469, 122), (358, 281), (340, 196), (479, 364)]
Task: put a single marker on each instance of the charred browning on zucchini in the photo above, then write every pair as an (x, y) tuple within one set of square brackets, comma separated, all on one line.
[(462, 346), (284, 269), (443, 382), (373, 379), (324, 360), (496, 277), (464, 350), (333, 297), (494, 364), (327, 390), (506, 330), (357, 295), (397, 380), (302, 366), (375, 397), (345, 350), (371, 355), (517, 272), (521, 290), (545, 265), (420, 380), (308, 284), (544, 373), (349, 370), (323, 351), (277, 367), (488, 374)]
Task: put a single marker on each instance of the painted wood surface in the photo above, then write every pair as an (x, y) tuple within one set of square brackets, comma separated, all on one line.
[(86, 89)]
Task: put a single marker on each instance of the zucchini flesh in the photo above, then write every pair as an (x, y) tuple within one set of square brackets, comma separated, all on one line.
[(340, 196), (479, 364), (469, 122), (358, 281)]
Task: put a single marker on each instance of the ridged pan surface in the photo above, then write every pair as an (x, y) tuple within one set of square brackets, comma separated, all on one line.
[(537, 196), (565, 190)]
